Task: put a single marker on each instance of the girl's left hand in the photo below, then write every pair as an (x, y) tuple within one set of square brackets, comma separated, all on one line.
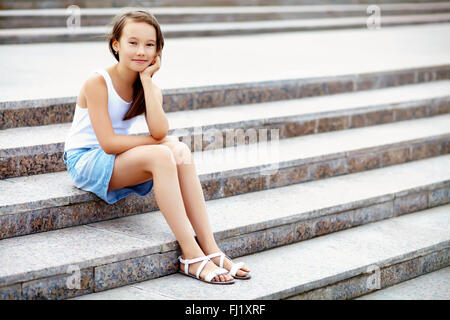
[(151, 69)]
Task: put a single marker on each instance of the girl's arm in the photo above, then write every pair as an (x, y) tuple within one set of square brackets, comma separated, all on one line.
[(96, 93), (157, 122)]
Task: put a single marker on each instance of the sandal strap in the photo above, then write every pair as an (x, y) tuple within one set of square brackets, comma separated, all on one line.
[(201, 268), (187, 262), (217, 254), (215, 273), (236, 267)]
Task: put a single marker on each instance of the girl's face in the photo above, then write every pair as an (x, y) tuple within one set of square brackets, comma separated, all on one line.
[(137, 42)]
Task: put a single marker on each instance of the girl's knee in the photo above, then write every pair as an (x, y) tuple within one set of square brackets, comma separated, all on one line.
[(164, 156), (180, 150), (182, 153)]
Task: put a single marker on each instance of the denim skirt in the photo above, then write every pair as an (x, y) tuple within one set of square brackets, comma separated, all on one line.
[(91, 168)]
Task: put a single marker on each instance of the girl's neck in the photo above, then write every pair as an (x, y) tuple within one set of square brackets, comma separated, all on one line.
[(125, 75)]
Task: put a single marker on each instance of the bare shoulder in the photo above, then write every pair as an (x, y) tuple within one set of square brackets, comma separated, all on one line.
[(95, 85), (93, 91), (95, 81)]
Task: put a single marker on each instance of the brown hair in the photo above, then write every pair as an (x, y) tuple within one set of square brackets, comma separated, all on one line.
[(118, 23)]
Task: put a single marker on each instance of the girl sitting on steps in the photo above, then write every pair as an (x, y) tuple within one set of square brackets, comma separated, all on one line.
[(102, 157)]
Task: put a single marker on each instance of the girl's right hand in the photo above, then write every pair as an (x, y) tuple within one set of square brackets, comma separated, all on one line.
[(148, 72)]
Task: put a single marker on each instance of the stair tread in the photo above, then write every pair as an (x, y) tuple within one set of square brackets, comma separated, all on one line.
[(257, 113), (44, 254), (280, 272), (432, 286), (230, 9), (25, 193), (355, 51), (183, 27)]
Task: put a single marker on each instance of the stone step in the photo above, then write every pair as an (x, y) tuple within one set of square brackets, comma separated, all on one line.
[(37, 4), (361, 60), (25, 207), (431, 286), (41, 112), (42, 18), (389, 252), (123, 251), (29, 151), (182, 30)]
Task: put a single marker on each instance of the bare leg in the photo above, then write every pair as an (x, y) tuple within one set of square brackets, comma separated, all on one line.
[(194, 202), (162, 168)]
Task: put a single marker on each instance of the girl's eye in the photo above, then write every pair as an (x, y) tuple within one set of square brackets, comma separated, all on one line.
[(132, 42)]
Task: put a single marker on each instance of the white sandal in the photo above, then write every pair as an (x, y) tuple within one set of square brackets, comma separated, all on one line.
[(209, 276), (235, 266)]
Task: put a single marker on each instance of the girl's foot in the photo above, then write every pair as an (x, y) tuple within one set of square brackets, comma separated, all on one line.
[(228, 264), (210, 266)]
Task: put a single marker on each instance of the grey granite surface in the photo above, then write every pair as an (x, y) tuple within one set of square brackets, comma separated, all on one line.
[(293, 269), (184, 64), (431, 286), (51, 253)]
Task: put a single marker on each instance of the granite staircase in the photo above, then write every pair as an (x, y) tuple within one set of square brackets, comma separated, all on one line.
[(329, 185), (31, 21)]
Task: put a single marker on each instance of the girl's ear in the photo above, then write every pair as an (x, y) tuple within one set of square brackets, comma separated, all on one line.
[(115, 44)]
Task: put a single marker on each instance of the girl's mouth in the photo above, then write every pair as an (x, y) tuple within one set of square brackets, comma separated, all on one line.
[(140, 61)]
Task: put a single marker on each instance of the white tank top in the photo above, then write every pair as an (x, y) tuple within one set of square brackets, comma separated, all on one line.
[(82, 135)]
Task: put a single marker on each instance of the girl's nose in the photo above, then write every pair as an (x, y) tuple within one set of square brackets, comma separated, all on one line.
[(141, 49)]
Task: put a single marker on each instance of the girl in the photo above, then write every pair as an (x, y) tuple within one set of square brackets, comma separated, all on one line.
[(102, 157)]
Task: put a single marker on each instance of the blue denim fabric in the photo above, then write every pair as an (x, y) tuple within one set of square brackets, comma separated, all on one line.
[(91, 168)]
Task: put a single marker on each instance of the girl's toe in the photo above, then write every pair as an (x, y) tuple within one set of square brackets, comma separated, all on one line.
[(241, 273)]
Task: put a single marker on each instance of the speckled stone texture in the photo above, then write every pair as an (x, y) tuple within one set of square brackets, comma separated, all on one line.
[(40, 159), (13, 292), (83, 208), (431, 286), (57, 217), (126, 272), (388, 276), (326, 267), (98, 17), (30, 113), (156, 265), (146, 254), (59, 287), (47, 111), (45, 158)]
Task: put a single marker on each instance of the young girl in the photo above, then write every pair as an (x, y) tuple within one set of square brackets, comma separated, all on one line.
[(102, 157)]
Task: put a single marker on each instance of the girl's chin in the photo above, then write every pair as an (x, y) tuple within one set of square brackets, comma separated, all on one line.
[(138, 67)]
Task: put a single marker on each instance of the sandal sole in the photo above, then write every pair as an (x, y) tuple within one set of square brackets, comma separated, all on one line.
[(210, 282), (247, 277)]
